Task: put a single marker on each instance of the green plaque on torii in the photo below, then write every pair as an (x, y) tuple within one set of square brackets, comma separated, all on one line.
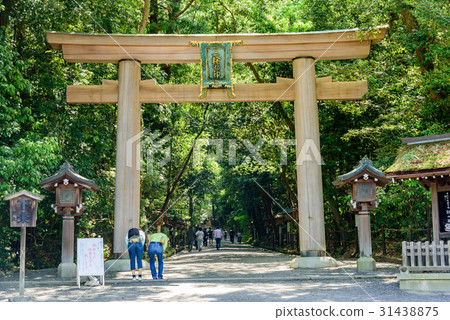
[(217, 65)]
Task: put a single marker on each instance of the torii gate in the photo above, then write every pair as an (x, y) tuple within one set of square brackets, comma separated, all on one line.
[(130, 51)]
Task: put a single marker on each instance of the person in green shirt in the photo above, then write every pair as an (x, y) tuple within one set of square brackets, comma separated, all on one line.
[(157, 245)]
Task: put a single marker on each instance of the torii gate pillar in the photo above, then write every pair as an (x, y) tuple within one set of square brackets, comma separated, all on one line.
[(309, 171), (127, 199)]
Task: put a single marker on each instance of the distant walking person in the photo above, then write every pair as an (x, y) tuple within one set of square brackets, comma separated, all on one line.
[(218, 237), (199, 234), (157, 246), (205, 237), (190, 237), (210, 236), (135, 241), (231, 236), (239, 237)]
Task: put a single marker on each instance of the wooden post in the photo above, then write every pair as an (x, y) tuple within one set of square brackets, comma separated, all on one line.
[(273, 239), (365, 262), (364, 234), (435, 212), (288, 233), (280, 236), (23, 239), (335, 240), (343, 245), (404, 254), (67, 268), (419, 254), (127, 198), (309, 171), (427, 253), (412, 253), (68, 240)]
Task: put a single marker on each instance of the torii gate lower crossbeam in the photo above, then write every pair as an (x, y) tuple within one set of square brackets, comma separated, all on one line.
[(301, 48)]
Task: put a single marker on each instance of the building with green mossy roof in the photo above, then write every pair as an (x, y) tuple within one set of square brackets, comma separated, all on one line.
[(426, 266), (427, 159)]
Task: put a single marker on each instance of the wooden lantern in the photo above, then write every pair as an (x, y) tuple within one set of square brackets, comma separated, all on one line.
[(364, 191), (279, 219), (68, 185), (363, 180)]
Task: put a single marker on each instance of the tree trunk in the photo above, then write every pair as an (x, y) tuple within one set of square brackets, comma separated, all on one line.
[(267, 205), (191, 207), (291, 196), (145, 16), (334, 209), (4, 15)]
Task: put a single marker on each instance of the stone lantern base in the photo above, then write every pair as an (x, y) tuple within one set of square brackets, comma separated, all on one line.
[(118, 265), (67, 270), (312, 262), (20, 298), (366, 264)]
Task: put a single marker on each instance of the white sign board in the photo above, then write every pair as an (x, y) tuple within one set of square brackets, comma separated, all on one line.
[(90, 258)]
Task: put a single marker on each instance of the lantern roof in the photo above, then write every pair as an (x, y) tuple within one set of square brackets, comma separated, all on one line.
[(26, 193), (365, 167), (66, 171)]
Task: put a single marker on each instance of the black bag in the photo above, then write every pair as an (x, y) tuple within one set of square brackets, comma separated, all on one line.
[(133, 232)]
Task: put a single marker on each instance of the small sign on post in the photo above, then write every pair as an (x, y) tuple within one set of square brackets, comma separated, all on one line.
[(23, 212), (90, 258), (444, 213)]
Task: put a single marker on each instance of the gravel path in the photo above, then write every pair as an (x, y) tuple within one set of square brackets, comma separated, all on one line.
[(237, 273)]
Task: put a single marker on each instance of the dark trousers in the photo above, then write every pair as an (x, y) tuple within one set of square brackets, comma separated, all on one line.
[(218, 240)]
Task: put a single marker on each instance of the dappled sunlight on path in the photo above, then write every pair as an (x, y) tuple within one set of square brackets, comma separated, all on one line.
[(232, 260)]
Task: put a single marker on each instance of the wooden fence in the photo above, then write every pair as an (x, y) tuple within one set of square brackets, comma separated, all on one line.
[(426, 256)]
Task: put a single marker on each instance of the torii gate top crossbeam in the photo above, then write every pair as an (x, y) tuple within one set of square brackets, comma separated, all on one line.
[(161, 48)]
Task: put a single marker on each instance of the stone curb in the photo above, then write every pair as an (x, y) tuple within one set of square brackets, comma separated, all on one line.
[(211, 280)]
